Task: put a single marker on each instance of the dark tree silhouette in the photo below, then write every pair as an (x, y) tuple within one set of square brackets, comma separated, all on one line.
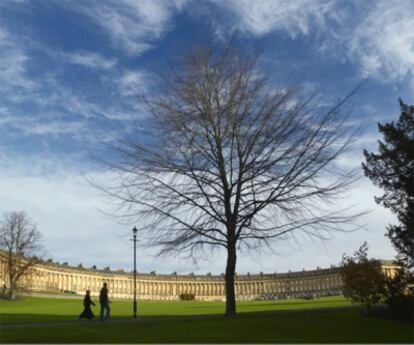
[(363, 280), (21, 240), (392, 169), (229, 161)]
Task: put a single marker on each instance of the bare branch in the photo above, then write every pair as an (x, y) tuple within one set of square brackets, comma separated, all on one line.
[(20, 238), (230, 161)]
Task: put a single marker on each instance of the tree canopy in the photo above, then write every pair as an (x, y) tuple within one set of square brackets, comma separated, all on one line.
[(392, 169), (20, 238), (363, 280)]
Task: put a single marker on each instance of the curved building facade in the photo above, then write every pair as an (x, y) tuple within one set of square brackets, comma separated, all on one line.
[(51, 277)]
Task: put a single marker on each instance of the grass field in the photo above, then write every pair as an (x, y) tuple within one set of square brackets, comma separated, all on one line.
[(32, 309), (327, 320)]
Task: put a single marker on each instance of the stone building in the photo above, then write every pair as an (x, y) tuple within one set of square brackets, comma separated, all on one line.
[(52, 277)]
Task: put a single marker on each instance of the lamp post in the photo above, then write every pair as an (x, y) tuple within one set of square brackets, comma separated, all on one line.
[(134, 231)]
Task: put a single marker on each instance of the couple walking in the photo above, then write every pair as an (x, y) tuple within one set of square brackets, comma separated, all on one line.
[(103, 301)]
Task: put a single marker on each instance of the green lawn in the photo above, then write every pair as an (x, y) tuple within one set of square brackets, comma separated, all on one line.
[(327, 320), (35, 309)]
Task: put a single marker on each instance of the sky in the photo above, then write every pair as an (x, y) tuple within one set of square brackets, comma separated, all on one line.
[(71, 77)]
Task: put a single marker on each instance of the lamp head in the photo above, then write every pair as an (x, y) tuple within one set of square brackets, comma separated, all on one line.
[(135, 230)]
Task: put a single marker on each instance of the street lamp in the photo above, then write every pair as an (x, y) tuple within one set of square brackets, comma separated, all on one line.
[(134, 231)]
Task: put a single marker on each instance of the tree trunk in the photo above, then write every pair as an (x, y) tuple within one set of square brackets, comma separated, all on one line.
[(12, 291), (230, 272)]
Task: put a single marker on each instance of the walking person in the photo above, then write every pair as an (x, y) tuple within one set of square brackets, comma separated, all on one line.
[(104, 302), (87, 311)]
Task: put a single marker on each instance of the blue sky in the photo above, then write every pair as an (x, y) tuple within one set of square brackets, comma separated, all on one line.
[(71, 73)]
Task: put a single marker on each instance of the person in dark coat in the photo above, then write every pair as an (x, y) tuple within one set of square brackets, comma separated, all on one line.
[(104, 302), (87, 311)]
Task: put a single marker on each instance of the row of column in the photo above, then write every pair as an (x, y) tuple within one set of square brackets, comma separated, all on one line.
[(123, 285), (66, 281)]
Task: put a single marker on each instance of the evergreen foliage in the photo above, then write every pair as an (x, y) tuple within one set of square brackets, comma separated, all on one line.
[(398, 296), (392, 169)]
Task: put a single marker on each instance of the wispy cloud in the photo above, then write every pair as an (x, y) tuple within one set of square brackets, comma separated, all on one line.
[(63, 99), (383, 43), (133, 83), (42, 104), (13, 67), (54, 128), (262, 17), (88, 59), (378, 37), (131, 25)]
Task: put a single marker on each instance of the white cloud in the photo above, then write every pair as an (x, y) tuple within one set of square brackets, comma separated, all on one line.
[(88, 59), (54, 128), (383, 43), (13, 67), (132, 25), (262, 17), (60, 109), (379, 36), (5, 120), (133, 83)]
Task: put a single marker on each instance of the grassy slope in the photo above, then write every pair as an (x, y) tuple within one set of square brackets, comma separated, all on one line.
[(295, 322), (58, 309)]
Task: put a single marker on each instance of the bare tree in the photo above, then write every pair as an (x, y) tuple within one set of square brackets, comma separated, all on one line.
[(228, 161), (21, 240)]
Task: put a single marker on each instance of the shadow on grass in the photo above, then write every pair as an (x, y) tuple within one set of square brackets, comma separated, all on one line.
[(34, 320), (278, 305), (328, 325), (8, 319)]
